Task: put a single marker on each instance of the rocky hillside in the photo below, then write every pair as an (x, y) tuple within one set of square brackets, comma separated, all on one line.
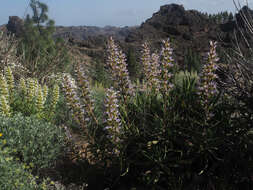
[(188, 29)]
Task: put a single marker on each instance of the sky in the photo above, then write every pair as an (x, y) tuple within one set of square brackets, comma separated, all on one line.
[(108, 12)]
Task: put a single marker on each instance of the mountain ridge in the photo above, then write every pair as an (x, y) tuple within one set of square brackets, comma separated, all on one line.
[(188, 29)]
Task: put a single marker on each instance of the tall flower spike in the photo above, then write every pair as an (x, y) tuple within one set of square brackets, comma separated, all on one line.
[(84, 84), (146, 62), (40, 100), (155, 72), (45, 92), (56, 95), (9, 78), (113, 121), (36, 87), (166, 67), (73, 100), (22, 86), (207, 85), (30, 89), (4, 87), (151, 69), (118, 68)]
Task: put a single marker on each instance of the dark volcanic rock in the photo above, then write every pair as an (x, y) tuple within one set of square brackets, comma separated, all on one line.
[(15, 25), (187, 28), (228, 27), (244, 13), (175, 15)]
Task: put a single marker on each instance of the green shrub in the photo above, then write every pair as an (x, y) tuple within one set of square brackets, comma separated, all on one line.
[(14, 175), (34, 142)]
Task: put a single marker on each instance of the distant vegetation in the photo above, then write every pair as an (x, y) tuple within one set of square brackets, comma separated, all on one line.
[(221, 17), (166, 115)]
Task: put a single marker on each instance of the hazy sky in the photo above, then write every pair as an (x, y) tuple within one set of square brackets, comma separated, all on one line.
[(108, 12)]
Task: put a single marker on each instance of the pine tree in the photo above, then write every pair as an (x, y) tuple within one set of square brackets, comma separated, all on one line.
[(42, 54)]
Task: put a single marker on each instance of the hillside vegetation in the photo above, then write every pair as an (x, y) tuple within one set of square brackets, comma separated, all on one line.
[(149, 118)]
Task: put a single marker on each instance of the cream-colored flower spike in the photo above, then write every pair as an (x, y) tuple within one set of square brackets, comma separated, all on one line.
[(40, 99), (9, 78), (30, 89), (4, 87), (22, 86), (45, 92), (56, 95), (5, 107)]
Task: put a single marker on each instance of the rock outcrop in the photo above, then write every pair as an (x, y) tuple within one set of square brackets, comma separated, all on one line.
[(15, 25)]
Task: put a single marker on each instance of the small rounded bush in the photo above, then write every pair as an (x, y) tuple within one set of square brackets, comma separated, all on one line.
[(33, 141), (14, 175)]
